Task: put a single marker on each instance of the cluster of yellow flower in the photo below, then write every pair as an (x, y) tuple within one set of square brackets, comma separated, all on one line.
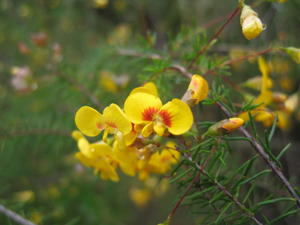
[(270, 104), (132, 139)]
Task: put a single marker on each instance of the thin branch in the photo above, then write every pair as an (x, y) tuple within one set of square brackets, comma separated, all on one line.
[(224, 190), (129, 52), (14, 216), (215, 36), (180, 69), (189, 188), (260, 150)]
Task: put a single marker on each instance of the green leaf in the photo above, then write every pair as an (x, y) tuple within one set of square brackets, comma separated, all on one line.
[(273, 128), (283, 151), (271, 201), (255, 176), (283, 216), (181, 175), (220, 217)]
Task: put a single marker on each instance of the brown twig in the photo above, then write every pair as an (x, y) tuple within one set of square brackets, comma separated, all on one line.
[(179, 69), (14, 216), (260, 150), (215, 36)]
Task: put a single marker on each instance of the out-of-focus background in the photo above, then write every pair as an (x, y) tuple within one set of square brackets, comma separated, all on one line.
[(57, 55)]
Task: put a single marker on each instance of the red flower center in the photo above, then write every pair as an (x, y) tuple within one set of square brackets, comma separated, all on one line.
[(151, 114)]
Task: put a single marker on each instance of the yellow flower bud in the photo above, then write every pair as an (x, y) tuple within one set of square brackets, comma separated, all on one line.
[(197, 90), (224, 127), (251, 24), (233, 124), (294, 53)]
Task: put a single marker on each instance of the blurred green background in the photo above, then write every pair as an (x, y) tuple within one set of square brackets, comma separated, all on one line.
[(65, 48)]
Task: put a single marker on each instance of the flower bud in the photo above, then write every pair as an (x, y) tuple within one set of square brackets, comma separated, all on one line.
[(292, 103), (294, 53), (224, 127), (251, 24), (197, 91)]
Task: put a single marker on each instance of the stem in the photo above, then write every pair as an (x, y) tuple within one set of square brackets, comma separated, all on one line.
[(233, 61), (14, 216), (225, 191), (260, 150), (188, 189), (215, 36)]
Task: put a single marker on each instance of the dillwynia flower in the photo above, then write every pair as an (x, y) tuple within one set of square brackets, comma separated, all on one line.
[(144, 107), (91, 122), (99, 156)]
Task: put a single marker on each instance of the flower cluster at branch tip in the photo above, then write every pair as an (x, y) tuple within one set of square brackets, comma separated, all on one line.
[(136, 140), (250, 22)]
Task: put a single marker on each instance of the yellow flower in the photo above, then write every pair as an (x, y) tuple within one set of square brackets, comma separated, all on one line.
[(99, 156), (197, 90), (112, 82), (161, 162), (147, 109), (126, 157), (256, 83), (91, 122), (101, 3), (140, 196), (251, 24), (24, 196)]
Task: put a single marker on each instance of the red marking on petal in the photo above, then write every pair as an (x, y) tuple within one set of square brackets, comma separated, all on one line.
[(100, 126), (195, 83), (111, 124), (166, 117), (149, 113)]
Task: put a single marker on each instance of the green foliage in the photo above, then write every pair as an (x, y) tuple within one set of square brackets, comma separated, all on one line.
[(222, 179)]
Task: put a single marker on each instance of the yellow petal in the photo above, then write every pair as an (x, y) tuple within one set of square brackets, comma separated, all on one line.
[(77, 135), (84, 147), (115, 118), (147, 130), (89, 121), (148, 88), (139, 107), (181, 116), (159, 128), (100, 149), (130, 137), (199, 86)]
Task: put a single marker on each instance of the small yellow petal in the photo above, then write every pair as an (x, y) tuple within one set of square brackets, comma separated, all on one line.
[(115, 118), (89, 121), (148, 88), (181, 116), (147, 130), (77, 135), (159, 128), (139, 106)]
